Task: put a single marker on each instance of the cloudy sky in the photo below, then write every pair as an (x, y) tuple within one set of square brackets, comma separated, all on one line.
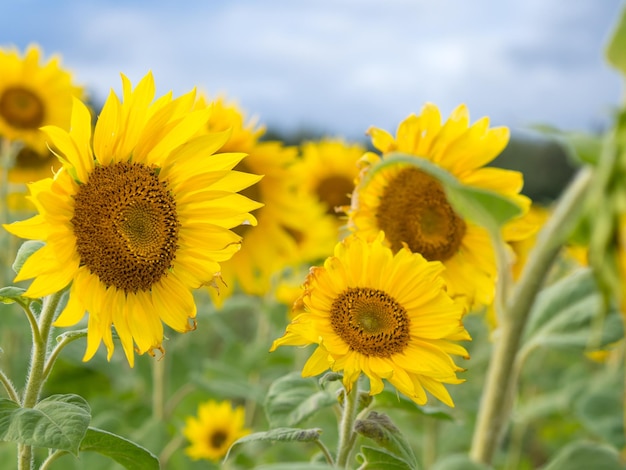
[(339, 66)]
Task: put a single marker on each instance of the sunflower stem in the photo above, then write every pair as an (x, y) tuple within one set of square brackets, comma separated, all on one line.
[(36, 378), (9, 387), (346, 430), (158, 388), (495, 402), (67, 339)]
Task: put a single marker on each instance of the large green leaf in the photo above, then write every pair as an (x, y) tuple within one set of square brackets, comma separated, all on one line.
[(380, 428), (570, 313), (616, 48), (291, 399), (56, 422), (279, 435), (582, 455), (128, 454)]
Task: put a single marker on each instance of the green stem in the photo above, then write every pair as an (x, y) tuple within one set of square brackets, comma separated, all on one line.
[(493, 412), (326, 452), (45, 465), (8, 386), (67, 339), (158, 388), (346, 430), (36, 379)]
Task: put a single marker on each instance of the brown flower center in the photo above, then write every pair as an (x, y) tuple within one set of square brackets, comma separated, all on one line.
[(217, 439), (21, 108), (414, 210), (126, 226), (334, 191), (370, 321)]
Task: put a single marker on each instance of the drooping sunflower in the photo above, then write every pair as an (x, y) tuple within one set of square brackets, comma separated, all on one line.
[(382, 314), (214, 430), (135, 219), (33, 95), (411, 206), (275, 242)]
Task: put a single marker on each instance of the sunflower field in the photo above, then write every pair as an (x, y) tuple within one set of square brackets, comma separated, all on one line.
[(181, 290)]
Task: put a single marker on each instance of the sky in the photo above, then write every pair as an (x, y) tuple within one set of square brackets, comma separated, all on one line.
[(337, 67)]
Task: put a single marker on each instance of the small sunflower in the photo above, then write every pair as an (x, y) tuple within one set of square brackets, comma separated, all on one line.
[(411, 207), (384, 315), (135, 219), (215, 429), (33, 95), (275, 242), (328, 170)]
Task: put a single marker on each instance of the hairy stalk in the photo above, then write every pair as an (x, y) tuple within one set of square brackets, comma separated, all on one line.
[(9, 387), (494, 412), (346, 429), (36, 379)]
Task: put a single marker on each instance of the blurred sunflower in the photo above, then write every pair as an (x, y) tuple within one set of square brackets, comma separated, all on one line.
[(28, 166), (134, 219), (328, 169), (411, 207), (33, 95), (284, 223), (384, 315), (215, 429)]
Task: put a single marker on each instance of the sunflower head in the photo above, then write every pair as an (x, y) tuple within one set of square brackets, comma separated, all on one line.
[(214, 429), (32, 95), (135, 218), (412, 207), (382, 314)]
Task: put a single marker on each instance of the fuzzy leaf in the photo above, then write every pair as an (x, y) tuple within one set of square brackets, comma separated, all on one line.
[(128, 454), (279, 435), (379, 428), (56, 422), (583, 455), (372, 458), (24, 252), (12, 294), (616, 48), (291, 399)]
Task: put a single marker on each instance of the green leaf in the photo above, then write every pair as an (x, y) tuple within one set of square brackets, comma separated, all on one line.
[(11, 294), (583, 455), (372, 458), (24, 252), (128, 454), (458, 462), (279, 435), (379, 428), (292, 399), (56, 422), (565, 314), (295, 466), (597, 405), (389, 399), (486, 208), (616, 48)]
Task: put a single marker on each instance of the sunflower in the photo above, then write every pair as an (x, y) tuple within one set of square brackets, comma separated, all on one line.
[(283, 223), (387, 316), (135, 219), (328, 169), (215, 429), (33, 95), (411, 207), (28, 166)]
